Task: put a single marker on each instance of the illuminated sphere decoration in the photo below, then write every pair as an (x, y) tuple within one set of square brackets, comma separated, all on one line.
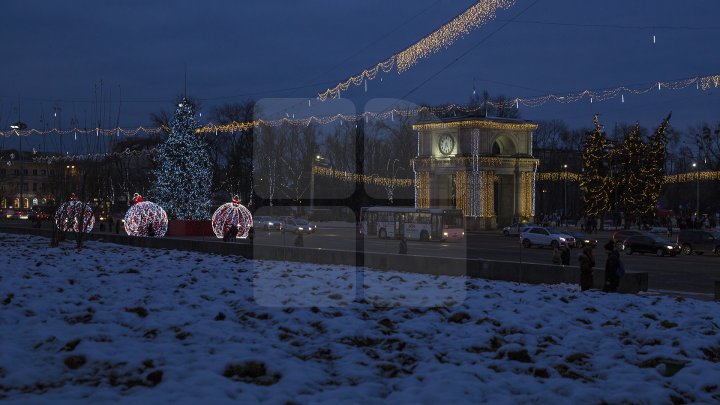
[(71, 214), (229, 214), (146, 219)]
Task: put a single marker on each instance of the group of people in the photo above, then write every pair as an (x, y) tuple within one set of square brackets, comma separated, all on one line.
[(614, 268)]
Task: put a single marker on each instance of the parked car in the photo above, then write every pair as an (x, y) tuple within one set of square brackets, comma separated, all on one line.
[(650, 243), (581, 238), (539, 236), (298, 225), (620, 236), (514, 229), (698, 241), (267, 223), (34, 215)]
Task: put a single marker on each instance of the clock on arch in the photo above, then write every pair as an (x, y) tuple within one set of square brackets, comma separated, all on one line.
[(446, 144)]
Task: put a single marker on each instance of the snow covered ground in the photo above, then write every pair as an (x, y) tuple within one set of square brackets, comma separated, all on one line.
[(111, 324)]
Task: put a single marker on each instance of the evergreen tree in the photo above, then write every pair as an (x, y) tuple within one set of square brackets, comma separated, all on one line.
[(595, 180), (183, 180), (655, 166), (632, 183)]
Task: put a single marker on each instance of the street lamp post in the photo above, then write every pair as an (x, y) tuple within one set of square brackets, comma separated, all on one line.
[(19, 126), (697, 192), (316, 162), (565, 173)]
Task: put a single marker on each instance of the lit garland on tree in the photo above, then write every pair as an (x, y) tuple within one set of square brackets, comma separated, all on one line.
[(182, 183), (634, 180), (232, 213), (595, 182), (75, 216), (656, 165), (146, 218)]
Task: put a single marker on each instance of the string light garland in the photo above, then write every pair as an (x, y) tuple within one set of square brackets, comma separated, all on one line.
[(442, 38), (701, 83), (229, 215), (357, 178), (146, 219), (74, 216)]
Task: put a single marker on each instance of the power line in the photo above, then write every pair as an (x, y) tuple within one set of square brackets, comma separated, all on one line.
[(482, 41), (619, 26)]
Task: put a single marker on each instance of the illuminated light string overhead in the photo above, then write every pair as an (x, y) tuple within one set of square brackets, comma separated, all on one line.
[(700, 82), (442, 38)]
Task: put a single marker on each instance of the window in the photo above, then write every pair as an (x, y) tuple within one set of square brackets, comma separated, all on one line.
[(43, 172), (3, 172), (52, 172), (540, 231), (34, 172), (16, 172), (25, 172), (34, 186)]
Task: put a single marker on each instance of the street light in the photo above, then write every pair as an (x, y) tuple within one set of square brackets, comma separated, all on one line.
[(19, 126), (316, 162), (565, 192), (697, 191)]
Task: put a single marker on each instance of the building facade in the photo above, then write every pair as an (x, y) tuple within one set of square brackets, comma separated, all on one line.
[(482, 166), (25, 183)]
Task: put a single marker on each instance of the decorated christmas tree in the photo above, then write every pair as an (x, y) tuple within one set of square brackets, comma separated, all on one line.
[(596, 180), (656, 165), (632, 184), (182, 182)]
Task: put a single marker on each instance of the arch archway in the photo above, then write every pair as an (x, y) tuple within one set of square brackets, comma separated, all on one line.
[(503, 145)]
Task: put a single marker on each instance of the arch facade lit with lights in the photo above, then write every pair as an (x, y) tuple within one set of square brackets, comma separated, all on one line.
[(482, 166)]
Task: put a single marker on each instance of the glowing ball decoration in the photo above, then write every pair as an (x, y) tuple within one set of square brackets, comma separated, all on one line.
[(146, 219), (229, 214), (73, 215)]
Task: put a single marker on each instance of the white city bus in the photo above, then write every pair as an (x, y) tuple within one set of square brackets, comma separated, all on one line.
[(414, 223)]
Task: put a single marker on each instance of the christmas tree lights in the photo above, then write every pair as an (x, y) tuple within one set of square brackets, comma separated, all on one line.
[(74, 216), (182, 183), (146, 219), (229, 215), (595, 181)]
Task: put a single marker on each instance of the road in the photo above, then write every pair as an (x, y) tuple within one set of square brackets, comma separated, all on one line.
[(682, 275), (686, 275)]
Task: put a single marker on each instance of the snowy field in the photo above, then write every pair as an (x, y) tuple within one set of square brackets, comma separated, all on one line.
[(117, 324)]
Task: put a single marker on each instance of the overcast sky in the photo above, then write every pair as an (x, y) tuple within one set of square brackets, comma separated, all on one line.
[(56, 53)]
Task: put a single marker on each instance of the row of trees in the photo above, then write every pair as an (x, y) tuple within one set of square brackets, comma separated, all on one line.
[(633, 170)]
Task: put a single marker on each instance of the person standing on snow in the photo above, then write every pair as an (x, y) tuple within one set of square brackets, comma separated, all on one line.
[(587, 262), (612, 279)]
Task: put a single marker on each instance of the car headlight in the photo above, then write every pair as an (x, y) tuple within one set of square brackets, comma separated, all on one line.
[(445, 234), (300, 228), (562, 239), (670, 247)]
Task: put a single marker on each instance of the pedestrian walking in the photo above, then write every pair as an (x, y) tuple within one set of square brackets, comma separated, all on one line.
[(403, 246), (612, 268), (556, 259), (587, 262), (565, 255), (299, 240)]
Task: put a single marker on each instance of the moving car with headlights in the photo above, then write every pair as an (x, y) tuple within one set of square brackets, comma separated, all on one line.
[(516, 228), (267, 223), (581, 238), (298, 225), (539, 236), (650, 244), (620, 236), (699, 241)]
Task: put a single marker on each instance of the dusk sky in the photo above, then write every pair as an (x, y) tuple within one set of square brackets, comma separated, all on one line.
[(57, 53)]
